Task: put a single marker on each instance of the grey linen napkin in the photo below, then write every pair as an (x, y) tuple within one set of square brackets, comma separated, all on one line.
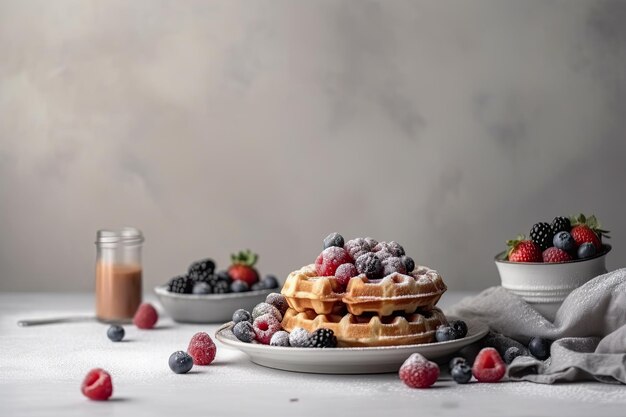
[(589, 330)]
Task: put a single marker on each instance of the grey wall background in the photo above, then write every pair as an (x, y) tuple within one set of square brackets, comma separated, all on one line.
[(448, 126)]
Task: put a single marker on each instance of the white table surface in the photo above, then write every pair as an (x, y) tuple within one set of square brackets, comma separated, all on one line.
[(41, 369)]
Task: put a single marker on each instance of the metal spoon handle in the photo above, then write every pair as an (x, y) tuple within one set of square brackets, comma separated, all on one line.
[(54, 320)]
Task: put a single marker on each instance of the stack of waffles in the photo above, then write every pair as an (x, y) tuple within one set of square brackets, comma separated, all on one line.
[(399, 309)]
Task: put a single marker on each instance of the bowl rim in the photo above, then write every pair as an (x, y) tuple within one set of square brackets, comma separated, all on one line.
[(607, 249), (161, 290)]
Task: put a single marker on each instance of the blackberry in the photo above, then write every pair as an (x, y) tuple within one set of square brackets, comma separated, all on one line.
[(369, 265), (542, 235), (201, 270), (221, 287), (322, 338), (181, 284), (561, 224)]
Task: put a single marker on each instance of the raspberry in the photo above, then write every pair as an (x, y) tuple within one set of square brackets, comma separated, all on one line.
[(202, 349), (146, 316), (357, 247), (264, 328), (279, 301), (393, 264), (343, 274), (392, 247), (299, 337), (488, 366), (369, 265), (97, 385), (553, 254), (265, 308), (330, 258), (419, 372)]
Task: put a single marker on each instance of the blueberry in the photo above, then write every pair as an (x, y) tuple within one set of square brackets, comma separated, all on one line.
[(456, 361), (461, 373), (244, 331), (512, 353), (180, 362), (223, 276), (409, 263), (269, 282), (257, 286), (201, 287), (459, 327), (586, 250), (445, 333), (564, 241), (239, 286), (333, 239), (115, 333), (539, 347), (242, 315)]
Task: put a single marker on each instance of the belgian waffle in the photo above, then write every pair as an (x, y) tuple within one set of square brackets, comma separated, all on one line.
[(304, 290), (351, 330)]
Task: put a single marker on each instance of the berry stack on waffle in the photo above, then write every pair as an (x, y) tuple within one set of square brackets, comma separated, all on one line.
[(368, 293)]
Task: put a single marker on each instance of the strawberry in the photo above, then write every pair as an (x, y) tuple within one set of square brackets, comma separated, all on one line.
[(555, 255), (242, 268), (522, 250), (587, 230)]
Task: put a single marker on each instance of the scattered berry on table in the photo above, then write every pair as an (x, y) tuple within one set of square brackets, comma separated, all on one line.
[(146, 316), (419, 372), (242, 315), (266, 308), (369, 265), (221, 287), (357, 247), (445, 333), (115, 333), (269, 282), (539, 347), (522, 250), (343, 274), (456, 361), (488, 366), (181, 284), (459, 327), (394, 248), (561, 224), (201, 287), (244, 331), (555, 255), (541, 233), (200, 270), (279, 301), (586, 250), (564, 241), (409, 263), (265, 326), (280, 338), (97, 385), (242, 267), (180, 362), (299, 337), (333, 239), (322, 338), (393, 264), (202, 349), (461, 373), (239, 286), (512, 353), (328, 261)]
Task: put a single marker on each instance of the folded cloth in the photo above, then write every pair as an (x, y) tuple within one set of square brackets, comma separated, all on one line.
[(589, 330)]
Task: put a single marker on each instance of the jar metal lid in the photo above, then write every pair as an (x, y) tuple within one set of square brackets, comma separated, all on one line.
[(127, 235)]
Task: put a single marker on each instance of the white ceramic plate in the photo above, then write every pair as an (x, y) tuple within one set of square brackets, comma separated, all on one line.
[(355, 360), (208, 308)]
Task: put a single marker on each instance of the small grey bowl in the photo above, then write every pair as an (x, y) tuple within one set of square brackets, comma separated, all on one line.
[(546, 285), (208, 308)]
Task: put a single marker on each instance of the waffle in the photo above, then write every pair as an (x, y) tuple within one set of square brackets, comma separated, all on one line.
[(396, 292), (304, 290), (366, 331)]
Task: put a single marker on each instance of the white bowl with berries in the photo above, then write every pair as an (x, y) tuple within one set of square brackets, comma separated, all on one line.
[(204, 295), (557, 258)]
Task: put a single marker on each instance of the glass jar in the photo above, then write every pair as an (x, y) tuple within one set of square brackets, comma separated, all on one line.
[(118, 274)]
